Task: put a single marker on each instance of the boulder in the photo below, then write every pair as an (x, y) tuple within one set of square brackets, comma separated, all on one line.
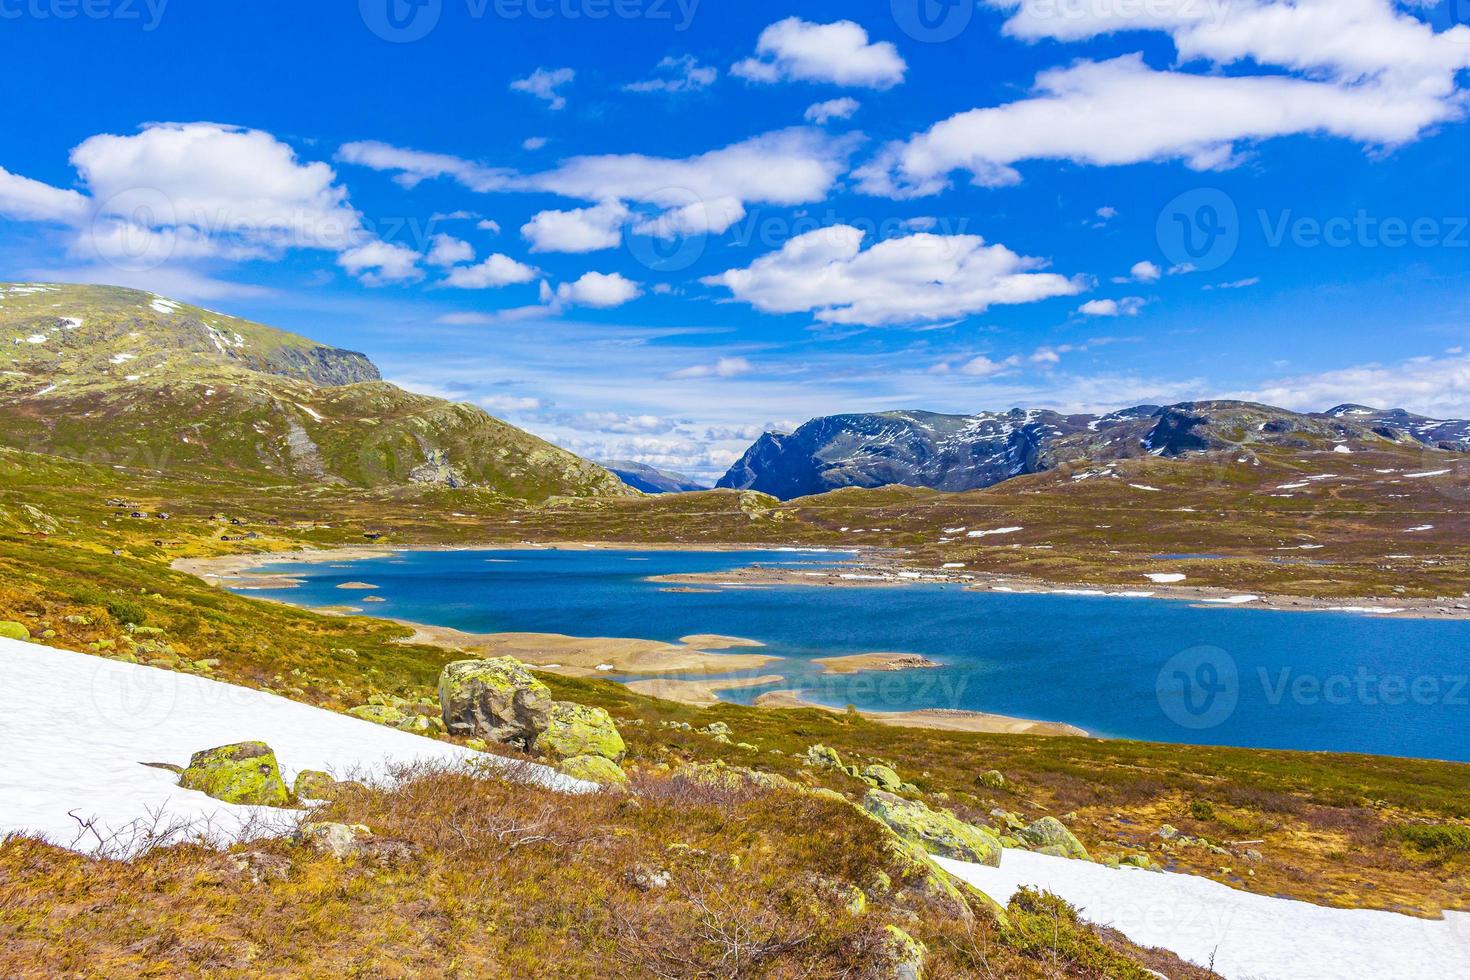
[(994, 779), (246, 774), (822, 757), (314, 785), (576, 729), (881, 777), (379, 714), (498, 700), (13, 631), (937, 832), (336, 839), (1048, 833), (905, 955), (594, 769)]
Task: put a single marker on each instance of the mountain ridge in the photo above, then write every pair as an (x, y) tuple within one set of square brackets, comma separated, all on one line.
[(127, 377), (969, 452)]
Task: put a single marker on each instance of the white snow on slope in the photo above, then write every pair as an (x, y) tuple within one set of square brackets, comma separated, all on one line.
[(77, 728), (1165, 578), (1250, 937), (999, 530)]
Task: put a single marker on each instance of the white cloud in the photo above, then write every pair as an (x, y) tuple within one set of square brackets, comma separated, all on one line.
[(446, 250), (511, 403), (619, 422), (543, 84), (31, 200), (496, 271), (1122, 112), (683, 74), (921, 278), (840, 53), (1235, 284), (788, 167), (597, 289), (378, 263), (1127, 306), (700, 217), (1434, 386), (577, 231), (1107, 213), (824, 112), (978, 367), (725, 367), (1145, 271), (534, 143), (493, 227)]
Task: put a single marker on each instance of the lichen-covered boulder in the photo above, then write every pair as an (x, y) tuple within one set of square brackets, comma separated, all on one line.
[(905, 955), (936, 831), (246, 774), (1048, 832), (314, 785), (380, 714), (994, 779), (881, 777), (498, 700), (578, 729), (339, 840), (822, 757), (594, 769), (13, 631)]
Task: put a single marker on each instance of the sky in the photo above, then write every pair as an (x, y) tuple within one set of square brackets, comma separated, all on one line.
[(653, 229)]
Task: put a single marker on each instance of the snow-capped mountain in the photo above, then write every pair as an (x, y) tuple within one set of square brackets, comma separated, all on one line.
[(969, 452)]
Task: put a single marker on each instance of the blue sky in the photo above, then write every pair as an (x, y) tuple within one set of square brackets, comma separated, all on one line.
[(651, 229)]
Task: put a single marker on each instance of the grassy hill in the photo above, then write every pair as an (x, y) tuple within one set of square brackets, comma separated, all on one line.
[(126, 378)]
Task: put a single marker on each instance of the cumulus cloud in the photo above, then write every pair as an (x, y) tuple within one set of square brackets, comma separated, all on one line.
[(707, 192), (725, 367), (576, 231), (446, 250), (618, 422), (497, 270), (1127, 306), (599, 290), (31, 200), (378, 263), (1145, 271), (683, 74), (921, 278), (978, 367), (824, 112), (511, 403), (797, 50), (543, 83), (1361, 70), (1433, 386)]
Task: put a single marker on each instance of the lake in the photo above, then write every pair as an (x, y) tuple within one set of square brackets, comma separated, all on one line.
[(1161, 670)]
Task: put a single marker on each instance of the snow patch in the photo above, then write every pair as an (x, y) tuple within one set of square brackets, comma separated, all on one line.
[(1242, 935), (1165, 578), (999, 530), (90, 761)]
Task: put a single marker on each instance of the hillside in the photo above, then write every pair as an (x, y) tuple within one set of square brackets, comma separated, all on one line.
[(126, 378), (971, 452)]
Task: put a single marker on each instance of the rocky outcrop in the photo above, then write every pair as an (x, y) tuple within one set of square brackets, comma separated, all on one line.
[(936, 831), (905, 955), (246, 774), (498, 700)]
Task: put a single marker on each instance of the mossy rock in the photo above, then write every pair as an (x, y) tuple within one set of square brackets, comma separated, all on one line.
[(577, 729), (994, 779), (314, 785), (881, 777), (594, 769), (905, 955), (1049, 836), (498, 700), (379, 714), (10, 630), (245, 774), (822, 757), (936, 831)]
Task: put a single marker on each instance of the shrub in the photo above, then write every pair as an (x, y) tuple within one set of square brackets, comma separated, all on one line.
[(1443, 839), (1202, 810), (127, 612)]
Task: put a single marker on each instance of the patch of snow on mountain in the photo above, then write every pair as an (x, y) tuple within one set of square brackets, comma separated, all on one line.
[(1240, 934), (78, 729)]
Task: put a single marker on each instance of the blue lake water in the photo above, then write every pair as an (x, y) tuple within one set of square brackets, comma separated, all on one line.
[(1159, 670)]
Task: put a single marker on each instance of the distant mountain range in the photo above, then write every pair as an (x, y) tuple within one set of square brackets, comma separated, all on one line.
[(970, 452), (124, 377), (641, 476)]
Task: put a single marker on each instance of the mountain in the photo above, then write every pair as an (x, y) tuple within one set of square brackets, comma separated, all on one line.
[(641, 476), (970, 452), (123, 377)]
